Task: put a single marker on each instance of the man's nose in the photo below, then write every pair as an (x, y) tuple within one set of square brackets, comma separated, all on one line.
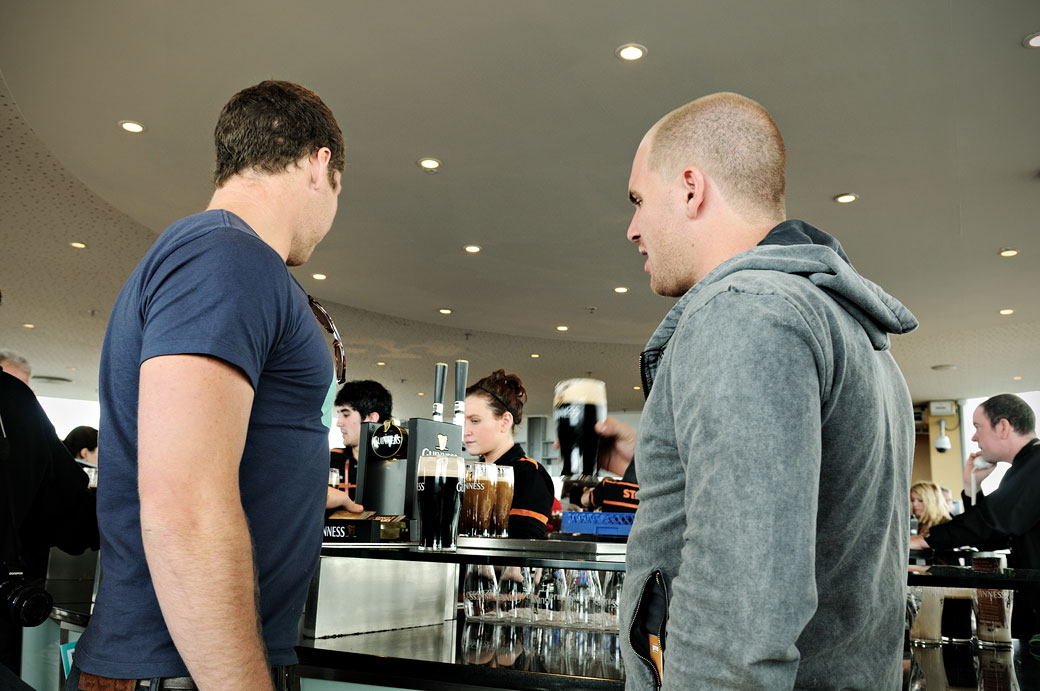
[(633, 230)]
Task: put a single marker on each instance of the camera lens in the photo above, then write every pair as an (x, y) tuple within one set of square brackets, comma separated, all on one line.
[(23, 603)]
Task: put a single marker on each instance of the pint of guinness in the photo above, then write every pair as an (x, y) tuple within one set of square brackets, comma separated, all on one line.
[(440, 483), (478, 504), (577, 406)]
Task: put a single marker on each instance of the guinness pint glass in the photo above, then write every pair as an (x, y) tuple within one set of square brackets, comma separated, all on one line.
[(439, 486), (478, 503), (577, 406)]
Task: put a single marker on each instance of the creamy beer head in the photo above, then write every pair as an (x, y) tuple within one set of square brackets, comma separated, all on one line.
[(587, 391), (447, 466)]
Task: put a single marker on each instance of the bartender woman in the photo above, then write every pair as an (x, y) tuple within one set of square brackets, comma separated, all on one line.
[(494, 407)]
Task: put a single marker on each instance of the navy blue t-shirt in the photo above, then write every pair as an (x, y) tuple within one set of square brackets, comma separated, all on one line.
[(210, 285)]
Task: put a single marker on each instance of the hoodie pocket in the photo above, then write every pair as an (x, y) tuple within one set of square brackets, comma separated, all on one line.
[(647, 634)]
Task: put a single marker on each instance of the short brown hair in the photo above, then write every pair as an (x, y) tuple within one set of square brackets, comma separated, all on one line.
[(271, 126), (735, 141)]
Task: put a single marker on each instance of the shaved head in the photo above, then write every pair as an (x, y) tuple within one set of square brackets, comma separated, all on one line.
[(735, 142)]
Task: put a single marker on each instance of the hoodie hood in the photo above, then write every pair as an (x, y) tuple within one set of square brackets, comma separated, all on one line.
[(797, 248)]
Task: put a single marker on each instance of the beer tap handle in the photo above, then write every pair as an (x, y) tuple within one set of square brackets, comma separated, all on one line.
[(440, 376), (461, 372)]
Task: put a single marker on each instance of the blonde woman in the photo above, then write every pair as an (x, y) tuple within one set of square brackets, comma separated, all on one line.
[(926, 502)]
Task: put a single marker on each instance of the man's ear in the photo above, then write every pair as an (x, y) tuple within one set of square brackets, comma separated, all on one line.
[(693, 189), (371, 417), (1004, 428), (318, 165)]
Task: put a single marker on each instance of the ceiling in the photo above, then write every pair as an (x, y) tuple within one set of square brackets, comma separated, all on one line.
[(927, 110)]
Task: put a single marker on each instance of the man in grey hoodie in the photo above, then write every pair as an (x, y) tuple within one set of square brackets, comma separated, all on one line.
[(769, 550)]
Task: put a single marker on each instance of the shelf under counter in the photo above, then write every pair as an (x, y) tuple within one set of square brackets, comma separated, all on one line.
[(966, 577), (549, 553)]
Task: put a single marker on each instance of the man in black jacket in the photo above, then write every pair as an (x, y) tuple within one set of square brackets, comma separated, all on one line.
[(1005, 430), (43, 494)]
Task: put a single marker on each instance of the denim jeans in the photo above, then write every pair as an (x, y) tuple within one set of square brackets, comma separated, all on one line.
[(285, 679)]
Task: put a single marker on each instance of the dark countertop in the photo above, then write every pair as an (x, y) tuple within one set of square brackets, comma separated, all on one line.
[(72, 600), (470, 655)]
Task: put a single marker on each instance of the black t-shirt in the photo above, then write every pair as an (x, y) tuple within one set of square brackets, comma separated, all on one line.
[(533, 495)]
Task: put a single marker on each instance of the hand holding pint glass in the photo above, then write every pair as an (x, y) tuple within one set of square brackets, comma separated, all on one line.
[(439, 487)]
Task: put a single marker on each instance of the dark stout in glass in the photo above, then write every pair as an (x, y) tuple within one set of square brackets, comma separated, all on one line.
[(439, 487), (577, 406)]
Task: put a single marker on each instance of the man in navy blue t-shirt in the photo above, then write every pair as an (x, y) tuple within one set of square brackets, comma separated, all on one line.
[(213, 376)]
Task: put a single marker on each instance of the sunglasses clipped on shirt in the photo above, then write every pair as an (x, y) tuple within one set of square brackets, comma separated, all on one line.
[(326, 322)]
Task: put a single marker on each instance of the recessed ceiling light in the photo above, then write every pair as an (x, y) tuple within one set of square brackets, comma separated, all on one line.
[(535, 355), (71, 369), (1017, 378), (29, 326), (635, 388), (78, 245), (561, 328), (846, 198), (472, 249), (430, 165), (381, 363), (630, 51), (944, 368), (319, 277), (1008, 252), (1006, 312), (444, 310), (420, 394), (621, 289), (1032, 40), (131, 126)]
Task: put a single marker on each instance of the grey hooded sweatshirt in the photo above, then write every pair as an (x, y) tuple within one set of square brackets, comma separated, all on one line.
[(769, 550)]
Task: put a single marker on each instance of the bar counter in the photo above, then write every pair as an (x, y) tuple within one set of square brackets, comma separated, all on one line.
[(446, 651), (461, 654)]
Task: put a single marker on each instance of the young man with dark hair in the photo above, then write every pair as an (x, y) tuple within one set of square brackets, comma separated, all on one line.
[(358, 401), (213, 377), (1005, 430)]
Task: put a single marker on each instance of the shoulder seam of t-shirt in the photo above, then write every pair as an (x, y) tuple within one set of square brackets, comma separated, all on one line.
[(209, 348)]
